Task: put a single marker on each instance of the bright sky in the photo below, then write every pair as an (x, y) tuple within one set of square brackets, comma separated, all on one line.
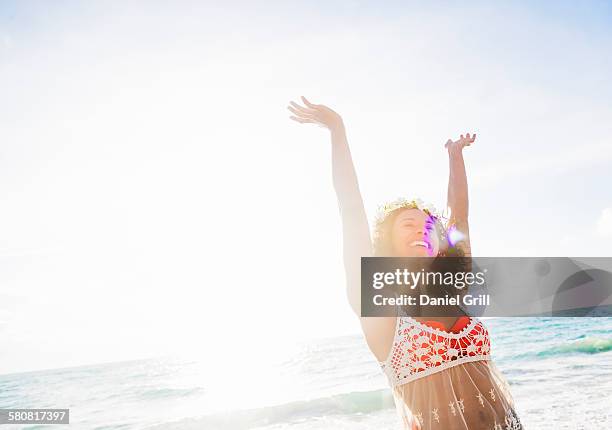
[(156, 197)]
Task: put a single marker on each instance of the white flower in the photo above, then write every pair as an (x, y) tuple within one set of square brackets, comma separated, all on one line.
[(401, 202), (430, 208)]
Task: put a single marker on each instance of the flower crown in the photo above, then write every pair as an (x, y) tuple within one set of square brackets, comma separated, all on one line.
[(401, 202)]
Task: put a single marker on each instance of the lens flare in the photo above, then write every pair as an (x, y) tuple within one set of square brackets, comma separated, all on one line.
[(454, 235)]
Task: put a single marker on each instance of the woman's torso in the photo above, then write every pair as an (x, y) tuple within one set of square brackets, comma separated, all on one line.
[(445, 380)]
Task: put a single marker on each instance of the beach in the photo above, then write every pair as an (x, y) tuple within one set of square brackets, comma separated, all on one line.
[(559, 370)]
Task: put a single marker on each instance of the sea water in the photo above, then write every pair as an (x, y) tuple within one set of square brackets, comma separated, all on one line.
[(559, 370)]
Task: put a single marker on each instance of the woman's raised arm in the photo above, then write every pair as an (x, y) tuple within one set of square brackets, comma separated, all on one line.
[(355, 228), (458, 190)]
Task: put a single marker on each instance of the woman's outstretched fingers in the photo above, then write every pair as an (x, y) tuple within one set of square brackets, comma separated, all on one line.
[(317, 114), (302, 108), (464, 140), (302, 120), (300, 113), (307, 103)]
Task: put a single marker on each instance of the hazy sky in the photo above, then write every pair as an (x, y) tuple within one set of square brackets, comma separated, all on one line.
[(156, 197)]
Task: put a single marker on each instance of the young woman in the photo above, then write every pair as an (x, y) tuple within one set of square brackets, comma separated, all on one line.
[(439, 369)]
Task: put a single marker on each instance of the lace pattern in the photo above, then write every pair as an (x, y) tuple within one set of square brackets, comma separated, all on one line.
[(419, 350)]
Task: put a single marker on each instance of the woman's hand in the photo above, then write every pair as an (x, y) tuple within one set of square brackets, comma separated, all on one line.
[(316, 114), (458, 145)]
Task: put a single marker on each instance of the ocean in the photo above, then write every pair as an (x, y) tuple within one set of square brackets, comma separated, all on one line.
[(559, 370)]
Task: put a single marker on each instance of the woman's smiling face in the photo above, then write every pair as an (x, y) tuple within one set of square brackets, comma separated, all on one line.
[(413, 234)]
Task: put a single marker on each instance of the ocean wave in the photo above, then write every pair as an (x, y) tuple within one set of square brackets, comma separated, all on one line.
[(157, 393), (588, 345), (361, 402)]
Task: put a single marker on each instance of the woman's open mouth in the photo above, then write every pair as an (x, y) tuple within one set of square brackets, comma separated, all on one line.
[(420, 243)]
